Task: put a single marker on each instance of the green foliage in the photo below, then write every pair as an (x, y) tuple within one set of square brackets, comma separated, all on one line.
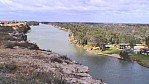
[(143, 59), (124, 55), (112, 51), (100, 34), (32, 23), (147, 41)]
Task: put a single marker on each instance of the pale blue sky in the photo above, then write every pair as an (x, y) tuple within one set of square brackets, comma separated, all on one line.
[(113, 11)]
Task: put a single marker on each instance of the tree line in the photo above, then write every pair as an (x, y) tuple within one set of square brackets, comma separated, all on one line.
[(99, 35)]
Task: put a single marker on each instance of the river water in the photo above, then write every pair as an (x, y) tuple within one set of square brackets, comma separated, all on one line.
[(111, 70)]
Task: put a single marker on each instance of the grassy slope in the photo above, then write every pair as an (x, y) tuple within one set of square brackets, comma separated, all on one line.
[(142, 59), (112, 51)]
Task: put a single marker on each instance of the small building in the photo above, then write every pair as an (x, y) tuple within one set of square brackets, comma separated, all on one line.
[(108, 46), (145, 51), (123, 45)]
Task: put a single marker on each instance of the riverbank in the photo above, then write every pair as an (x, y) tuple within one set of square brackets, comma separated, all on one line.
[(141, 59), (24, 62), (115, 53), (112, 52)]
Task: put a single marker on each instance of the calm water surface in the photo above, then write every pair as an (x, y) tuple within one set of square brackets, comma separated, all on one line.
[(111, 70)]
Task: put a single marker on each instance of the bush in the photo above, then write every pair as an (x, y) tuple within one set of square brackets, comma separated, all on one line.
[(9, 45), (23, 45), (44, 78), (6, 29), (7, 68), (124, 55)]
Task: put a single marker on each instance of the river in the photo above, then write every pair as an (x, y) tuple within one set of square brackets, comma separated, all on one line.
[(111, 70)]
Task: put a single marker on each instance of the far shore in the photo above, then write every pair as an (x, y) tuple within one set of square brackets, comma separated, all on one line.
[(114, 55), (92, 51)]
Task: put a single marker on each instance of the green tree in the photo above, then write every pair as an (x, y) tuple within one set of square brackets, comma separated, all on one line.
[(147, 41)]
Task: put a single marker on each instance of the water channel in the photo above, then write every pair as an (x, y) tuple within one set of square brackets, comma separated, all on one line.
[(111, 70)]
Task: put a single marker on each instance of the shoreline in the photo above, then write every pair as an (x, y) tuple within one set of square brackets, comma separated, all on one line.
[(139, 62), (94, 51), (87, 49), (110, 55), (31, 59), (114, 55)]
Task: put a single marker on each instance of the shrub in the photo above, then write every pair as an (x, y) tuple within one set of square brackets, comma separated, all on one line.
[(44, 78), (7, 68), (124, 55)]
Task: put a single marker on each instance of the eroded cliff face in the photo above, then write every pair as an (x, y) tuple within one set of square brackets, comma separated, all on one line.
[(31, 61), (15, 36)]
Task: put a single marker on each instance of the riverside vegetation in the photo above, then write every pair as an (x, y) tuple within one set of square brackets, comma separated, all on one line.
[(22, 62), (94, 37)]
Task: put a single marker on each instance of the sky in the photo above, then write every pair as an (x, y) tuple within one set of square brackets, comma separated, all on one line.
[(108, 11)]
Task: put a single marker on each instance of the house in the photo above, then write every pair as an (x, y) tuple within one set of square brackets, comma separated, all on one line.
[(123, 45), (108, 46), (145, 51), (137, 48)]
